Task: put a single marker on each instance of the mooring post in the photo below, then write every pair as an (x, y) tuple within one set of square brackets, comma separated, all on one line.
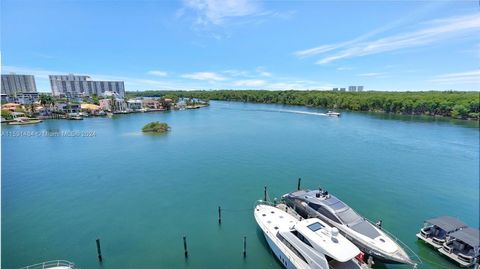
[(244, 246), (298, 184), (185, 246), (219, 215), (265, 193), (99, 251)]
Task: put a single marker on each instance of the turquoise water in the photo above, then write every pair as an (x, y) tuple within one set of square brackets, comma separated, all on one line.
[(141, 193)]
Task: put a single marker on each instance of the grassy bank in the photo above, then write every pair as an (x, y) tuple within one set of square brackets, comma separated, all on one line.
[(460, 105)]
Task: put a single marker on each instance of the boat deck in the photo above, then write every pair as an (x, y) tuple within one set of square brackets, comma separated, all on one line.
[(454, 257), (289, 210), (428, 241)]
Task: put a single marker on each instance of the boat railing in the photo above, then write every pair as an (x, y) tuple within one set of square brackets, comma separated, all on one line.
[(410, 253), (51, 264)]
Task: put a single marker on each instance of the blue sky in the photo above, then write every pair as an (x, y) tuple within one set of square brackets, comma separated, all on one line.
[(242, 44)]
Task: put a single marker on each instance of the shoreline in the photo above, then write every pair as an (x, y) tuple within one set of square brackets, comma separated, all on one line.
[(446, 104)]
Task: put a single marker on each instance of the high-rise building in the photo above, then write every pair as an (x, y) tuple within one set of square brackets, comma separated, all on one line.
[(359, 88), (77, 86), (342, 89), (335, 89), (352, 88), (13, 84)]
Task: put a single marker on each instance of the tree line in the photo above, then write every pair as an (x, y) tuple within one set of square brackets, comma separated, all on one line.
[(461, 105)]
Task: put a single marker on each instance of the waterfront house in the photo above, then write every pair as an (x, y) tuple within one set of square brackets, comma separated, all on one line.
[(18, 115), (43, 111), (135, 104), (152, 104), (67, 108), (118, 106), (91, 109)]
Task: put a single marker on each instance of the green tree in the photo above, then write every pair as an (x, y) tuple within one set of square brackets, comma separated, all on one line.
[(7, 114)]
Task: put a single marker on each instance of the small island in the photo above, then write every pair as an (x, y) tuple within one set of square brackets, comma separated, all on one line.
[(156, 127)]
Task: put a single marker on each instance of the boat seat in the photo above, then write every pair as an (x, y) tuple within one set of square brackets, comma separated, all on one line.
[(448, 246), (427, 231), (467, 256)]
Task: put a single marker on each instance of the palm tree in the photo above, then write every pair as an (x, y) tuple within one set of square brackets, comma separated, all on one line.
[(113, 104)]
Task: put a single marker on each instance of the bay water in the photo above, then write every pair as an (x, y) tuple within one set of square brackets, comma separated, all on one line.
[(140, 194)]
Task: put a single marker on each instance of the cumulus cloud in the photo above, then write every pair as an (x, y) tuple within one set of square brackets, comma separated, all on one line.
[(209, 76), (157, 73), (216, 11)]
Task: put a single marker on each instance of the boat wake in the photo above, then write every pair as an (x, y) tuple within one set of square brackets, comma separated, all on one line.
[(300, 112), (283, 111)]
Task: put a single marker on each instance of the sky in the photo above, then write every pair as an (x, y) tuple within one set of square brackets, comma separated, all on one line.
[(242, 44)]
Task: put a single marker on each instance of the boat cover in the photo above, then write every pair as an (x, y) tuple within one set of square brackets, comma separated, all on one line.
[(447, 223), (469, 236)]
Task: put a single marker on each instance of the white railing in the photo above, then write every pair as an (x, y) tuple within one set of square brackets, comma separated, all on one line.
[(412, 255), (51, 264)]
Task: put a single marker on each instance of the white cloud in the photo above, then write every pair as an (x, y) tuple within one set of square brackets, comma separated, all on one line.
[(320, 49), (371, 74), (431, 32), (157, 73), (216, 11), (344, 68), (249, 83), (236, 73), (209, 76), (262, 72), (472, 76)]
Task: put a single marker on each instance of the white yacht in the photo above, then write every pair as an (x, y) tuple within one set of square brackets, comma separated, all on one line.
[(370, 238), (56, 264), (308, 243), (333, 114)]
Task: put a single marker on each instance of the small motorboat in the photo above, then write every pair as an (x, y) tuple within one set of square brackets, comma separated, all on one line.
[(333, 114), (436, 230), (74, 116), (24, 121), (370, 238), (305, 243), (56, 264), (463, 246)]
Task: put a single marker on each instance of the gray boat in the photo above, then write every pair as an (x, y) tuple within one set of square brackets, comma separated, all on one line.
[(370, 238), (463, 246), (436, 230)]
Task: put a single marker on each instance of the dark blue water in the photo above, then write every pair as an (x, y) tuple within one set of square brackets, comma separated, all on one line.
[(141, 193)]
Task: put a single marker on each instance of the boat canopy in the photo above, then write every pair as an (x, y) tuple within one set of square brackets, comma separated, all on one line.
[(469, 236), (447, 223)]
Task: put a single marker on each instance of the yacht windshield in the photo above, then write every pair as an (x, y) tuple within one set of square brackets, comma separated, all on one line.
[(349, 216), (315, 226)]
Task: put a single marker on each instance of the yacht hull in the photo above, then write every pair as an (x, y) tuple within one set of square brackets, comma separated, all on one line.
[(399, 257), (281, 257)]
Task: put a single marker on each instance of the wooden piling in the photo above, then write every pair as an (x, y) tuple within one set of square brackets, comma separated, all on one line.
[(244, 246), (265, 193), (185, 246), (219, 215), (298, 184), (99, 251)]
